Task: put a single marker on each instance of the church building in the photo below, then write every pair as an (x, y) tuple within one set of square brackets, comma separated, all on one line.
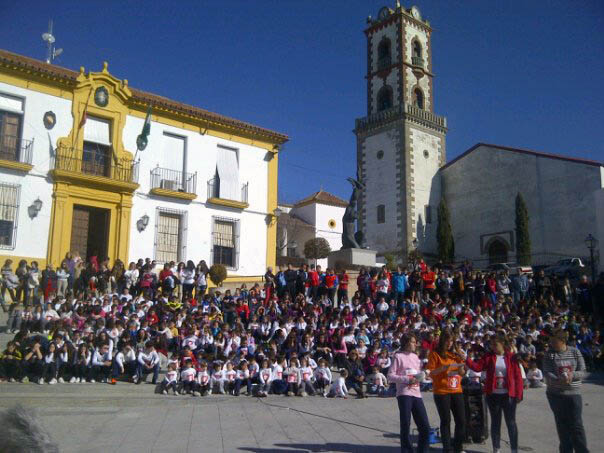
[(402, 161)]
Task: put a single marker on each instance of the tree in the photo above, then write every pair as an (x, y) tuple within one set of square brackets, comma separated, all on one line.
[(444, 234), (523, 240), (316, 249), (218, 274), (390, 261)]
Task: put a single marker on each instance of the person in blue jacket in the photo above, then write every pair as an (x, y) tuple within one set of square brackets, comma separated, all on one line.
[(400, 285)]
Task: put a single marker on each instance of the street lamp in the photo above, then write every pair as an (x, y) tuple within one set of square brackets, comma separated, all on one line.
[(591, 243)]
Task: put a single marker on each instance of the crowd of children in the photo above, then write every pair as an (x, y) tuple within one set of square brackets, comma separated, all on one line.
[(287, 335)]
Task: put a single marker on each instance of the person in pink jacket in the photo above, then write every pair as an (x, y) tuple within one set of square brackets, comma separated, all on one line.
[(406, 373)]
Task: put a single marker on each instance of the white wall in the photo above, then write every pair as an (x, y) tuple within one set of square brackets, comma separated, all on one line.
[(32, 234), (426, 185)]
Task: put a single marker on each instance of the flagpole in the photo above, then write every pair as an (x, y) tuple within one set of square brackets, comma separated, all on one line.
[(83, 119)]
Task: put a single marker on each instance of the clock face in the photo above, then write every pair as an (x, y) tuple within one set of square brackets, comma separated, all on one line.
[(415, 12), (101, 97)]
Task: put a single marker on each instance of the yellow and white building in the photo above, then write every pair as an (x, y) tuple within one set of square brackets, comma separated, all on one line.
[(205, 187)]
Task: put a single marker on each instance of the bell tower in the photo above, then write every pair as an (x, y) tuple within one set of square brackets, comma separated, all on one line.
[(401, 141)]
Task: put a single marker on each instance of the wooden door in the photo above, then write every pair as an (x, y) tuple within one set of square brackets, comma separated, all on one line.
[(79, 231)]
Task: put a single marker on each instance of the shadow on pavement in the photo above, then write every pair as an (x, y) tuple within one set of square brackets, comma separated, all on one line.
[(329, 447)]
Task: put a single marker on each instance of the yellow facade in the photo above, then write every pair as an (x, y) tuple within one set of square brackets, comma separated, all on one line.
[(74, 187)]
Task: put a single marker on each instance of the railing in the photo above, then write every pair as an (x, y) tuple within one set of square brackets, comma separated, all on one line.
[(417, 61), (215, 192), (398, 112), (177, 181), (96, 163), (16, 149), (384, 62)]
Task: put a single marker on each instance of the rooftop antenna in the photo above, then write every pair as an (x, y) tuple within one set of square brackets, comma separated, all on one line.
[(51, 52)]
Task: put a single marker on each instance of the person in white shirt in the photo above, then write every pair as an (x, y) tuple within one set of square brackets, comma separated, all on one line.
[(187, 377), (101, 363), (243, 377), (292, 376), (377, 382), (230, 375), (534, 376), (217, 379), (148, 362), (203, 380), (170, 380), (265, 378), (322, 376), (306, 376), (124, 363), (278, 384), (338, 387)]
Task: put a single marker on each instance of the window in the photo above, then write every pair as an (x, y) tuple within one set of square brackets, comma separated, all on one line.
[(97, 152), (170, 235), (380, 154), (426, 153), (417, 49), (384, 98), (11, 121), (418, 98), (381, 214), (384, 55), (9, 206), (226, 185), (428, 213), (225, 241)]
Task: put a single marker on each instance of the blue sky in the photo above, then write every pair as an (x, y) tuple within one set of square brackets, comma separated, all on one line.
[(518, 73)]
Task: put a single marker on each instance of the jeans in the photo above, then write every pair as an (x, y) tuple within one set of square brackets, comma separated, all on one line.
[(569, 423), (142, 372), (498, 403), (445, 404), (407, 406), (240, 382)]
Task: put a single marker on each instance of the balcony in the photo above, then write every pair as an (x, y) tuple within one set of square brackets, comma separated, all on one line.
[(384, 62), (16, 153), (219, 197), (417, 61), (94, 168), (408, 111), (173, 183)]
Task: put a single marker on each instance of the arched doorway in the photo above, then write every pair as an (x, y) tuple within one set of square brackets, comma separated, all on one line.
[(498, 252)]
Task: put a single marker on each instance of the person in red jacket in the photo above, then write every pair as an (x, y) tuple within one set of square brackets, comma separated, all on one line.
[(313, 278), (343, 287), (503, 387)]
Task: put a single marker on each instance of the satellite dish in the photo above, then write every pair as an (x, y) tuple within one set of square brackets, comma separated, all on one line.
[(48, 37), (58, 52)]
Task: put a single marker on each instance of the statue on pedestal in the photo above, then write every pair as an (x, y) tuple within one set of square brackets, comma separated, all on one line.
[(352, 239)]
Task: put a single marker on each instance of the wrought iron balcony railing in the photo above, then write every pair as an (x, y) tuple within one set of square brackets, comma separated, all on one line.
[(16, 149), (417, 61), (174, 180), (95, 163), (216, 190)]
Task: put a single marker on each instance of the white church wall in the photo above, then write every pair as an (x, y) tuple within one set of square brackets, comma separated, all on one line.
[(480, 190), (381, 189), (426, 186)]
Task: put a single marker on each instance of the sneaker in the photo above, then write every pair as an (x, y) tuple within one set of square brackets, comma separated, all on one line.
[(222, 392), (303, 394), (78, 380), (40, 381), (52, 381), (25, 380), (196, 394), (290, 393), (209, 392), (176, 393), (11, 380), (73, 380), (165, 392), (113, 381), (135, 379), (61, 380), (92, 381)]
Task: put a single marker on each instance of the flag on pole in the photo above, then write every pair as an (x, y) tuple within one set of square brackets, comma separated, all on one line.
[(83, 120), (142, 139)]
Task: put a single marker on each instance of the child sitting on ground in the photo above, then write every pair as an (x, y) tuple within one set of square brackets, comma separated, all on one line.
[(264, 379), (306, 375), (377, 382), (217, 379), (534, 375), (292, 375), (230, 375), (338, 387), (170, 380), (187, 376), (322, 377), (203, 380)]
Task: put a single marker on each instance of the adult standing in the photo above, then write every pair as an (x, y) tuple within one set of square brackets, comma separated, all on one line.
[(446, 369), (503, 387), (405, 372), (563, 368)]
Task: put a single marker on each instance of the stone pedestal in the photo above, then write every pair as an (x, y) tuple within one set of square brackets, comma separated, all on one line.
[(358, 257)]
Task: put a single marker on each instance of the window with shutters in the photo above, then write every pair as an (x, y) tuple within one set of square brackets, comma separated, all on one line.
[(11, 123), (170, 235), (9, 208), (96, 156), (225, 242)]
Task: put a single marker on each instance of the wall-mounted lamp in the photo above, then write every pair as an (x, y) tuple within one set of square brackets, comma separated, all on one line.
[(35, 208), (142, 223), (277, 212)]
